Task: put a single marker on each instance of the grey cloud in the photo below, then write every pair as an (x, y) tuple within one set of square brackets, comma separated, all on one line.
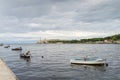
[(59, 15), (36, 8), (33, 8), (25, 8), (108, 10)]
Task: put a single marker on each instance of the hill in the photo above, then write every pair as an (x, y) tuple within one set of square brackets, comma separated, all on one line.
[(114, 39), (109, 39)]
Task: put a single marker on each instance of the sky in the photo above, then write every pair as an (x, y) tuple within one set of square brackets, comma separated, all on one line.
[(30, 20)]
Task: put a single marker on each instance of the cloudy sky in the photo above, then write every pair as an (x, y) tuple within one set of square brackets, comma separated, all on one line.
[(23, 20)]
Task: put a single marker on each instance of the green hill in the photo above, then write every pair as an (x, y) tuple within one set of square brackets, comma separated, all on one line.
[(114, 39), (109, 39)]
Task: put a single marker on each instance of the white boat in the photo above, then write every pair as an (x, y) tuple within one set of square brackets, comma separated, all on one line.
[(89, 61)]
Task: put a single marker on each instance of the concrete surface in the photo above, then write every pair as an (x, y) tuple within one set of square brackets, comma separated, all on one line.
[(5, 72)]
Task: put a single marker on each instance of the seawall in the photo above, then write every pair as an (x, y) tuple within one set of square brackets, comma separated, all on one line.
[(5, 72)]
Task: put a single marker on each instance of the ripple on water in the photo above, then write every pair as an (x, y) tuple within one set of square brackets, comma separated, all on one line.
[(56, 62)]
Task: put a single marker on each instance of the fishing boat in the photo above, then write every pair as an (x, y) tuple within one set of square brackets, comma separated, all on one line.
[(89, 61), (17, 48), (24, 55), (7, 46)]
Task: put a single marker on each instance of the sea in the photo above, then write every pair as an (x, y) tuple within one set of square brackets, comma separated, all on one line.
[(55, 63)]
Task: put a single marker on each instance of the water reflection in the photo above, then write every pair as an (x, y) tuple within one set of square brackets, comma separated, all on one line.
[(89, 67), (28, 60)]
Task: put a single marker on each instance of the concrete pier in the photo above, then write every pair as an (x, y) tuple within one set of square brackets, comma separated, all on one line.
[(5, 72)]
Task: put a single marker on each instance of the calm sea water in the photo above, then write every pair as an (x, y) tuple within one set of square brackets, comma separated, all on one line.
[(56, 62)]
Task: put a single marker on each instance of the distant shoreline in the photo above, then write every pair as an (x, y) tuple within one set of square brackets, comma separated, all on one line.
[(97, 42), (115, 39)]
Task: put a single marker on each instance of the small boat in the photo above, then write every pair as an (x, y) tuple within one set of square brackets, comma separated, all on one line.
[(24, 55), (1, 44), (89, 61), (17, 48), (7, 46)]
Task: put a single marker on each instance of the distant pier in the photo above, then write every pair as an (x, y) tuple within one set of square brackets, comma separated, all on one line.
[(5, 72)]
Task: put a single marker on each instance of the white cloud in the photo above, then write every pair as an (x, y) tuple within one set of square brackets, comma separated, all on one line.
[(51, 34), (34, 25)]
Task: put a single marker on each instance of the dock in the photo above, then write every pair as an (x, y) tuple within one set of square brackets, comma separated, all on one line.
[(5, 72)]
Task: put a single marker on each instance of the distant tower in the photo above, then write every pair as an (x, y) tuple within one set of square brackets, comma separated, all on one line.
[(45, 41), (39, 41), (42, 41)]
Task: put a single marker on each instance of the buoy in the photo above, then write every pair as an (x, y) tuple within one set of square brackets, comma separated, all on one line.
[(42, 56)]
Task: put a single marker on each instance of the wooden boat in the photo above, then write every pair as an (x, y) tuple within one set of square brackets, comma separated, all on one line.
[(24, 55), (89, 61), (17, 48)]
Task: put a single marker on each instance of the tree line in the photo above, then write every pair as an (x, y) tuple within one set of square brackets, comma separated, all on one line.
[(111, 38)]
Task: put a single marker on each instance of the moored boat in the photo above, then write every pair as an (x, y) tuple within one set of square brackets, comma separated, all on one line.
[(17, 48), (1, 44), (89, 61), (24, 55), (7, 46)]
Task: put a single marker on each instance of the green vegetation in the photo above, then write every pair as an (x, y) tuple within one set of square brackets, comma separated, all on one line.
[(115, 39), (63, 41), (91, 40)]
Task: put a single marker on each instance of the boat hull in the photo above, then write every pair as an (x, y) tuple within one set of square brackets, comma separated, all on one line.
[(16, 49), (6, 46), (24, 56), (82, 62)]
